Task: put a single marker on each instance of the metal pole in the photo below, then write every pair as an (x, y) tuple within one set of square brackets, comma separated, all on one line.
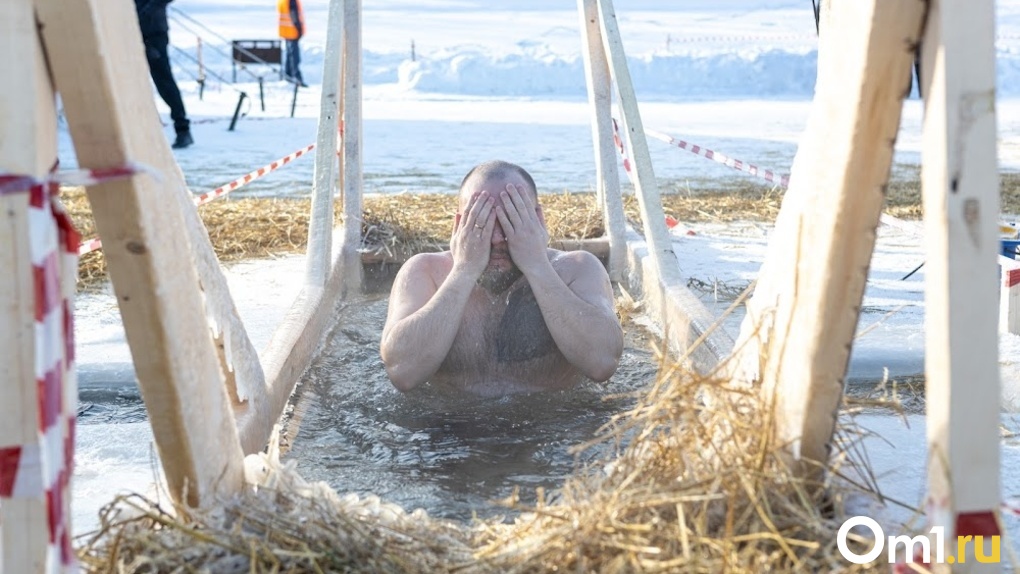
[(237, 112), (293, 102)]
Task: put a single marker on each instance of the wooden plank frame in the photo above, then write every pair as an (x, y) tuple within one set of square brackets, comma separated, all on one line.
[(600, 98), (652, 269), (959, 176), (113, 122), (296, 340), (801, 320), (350, 239), (324, 177)]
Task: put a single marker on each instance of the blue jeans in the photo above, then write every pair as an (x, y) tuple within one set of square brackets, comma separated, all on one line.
[(292, 63)]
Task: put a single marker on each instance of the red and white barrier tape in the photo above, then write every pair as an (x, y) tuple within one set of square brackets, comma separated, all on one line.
[(812, 38), (751, 169), (11, 183), (43, 467), (783, 180), (246, 179), (96, 244), (1011, 506), (1010, 276)]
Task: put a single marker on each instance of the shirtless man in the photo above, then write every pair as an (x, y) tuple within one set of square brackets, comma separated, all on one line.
[(500, 312)]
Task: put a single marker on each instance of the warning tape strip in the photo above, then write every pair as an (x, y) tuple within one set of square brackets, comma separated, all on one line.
[(41, 468), (96, 244), (744, 38), (13, 183), (1012, 277), (246, 179), (1011, 506), (766, 174)]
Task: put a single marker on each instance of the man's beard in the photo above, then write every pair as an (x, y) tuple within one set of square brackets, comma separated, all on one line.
[(495, 280)]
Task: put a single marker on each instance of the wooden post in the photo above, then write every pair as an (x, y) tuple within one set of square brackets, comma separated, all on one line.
[(961, 207), (654, 264), (654, 220), (28, 146), (320, 229), (97, 57), (1009, 295), (298, 336), (600, 98), (352, 183), (801, 321)]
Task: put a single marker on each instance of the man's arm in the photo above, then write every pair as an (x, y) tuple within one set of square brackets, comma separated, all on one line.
[(578, 310), (423, 316), (422, 321), (577, 302)]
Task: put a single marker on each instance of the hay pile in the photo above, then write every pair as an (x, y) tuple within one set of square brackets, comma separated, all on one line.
[(284, 524), (696, 489), (401, 225)]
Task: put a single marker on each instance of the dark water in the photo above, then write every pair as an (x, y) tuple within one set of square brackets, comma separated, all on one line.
[(451, 456)]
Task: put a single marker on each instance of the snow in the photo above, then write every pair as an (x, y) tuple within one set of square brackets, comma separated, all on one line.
[(504, 79)]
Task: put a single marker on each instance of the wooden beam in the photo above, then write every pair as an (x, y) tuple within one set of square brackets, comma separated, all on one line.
[(296, 339), (28, 146), (97, 57), (802, 317), (600, 98), (683, 318), (320, 228), (960, 191), (647, 191), (352, 181)]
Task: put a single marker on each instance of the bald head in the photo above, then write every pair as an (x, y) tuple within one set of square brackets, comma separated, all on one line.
[(495, 172)]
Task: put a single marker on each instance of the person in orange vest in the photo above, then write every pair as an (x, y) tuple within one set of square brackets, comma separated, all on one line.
[(292, 28)]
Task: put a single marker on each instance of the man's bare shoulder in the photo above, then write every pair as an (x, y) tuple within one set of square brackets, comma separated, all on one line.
[(435, 265), (573, 263)]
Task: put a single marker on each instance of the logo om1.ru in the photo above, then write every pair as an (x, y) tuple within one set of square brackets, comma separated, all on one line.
[(910, 544)]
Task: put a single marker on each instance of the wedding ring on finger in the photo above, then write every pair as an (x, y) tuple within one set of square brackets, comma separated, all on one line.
[(479, 226)]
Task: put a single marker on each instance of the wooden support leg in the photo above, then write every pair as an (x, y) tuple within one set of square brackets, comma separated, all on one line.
[(961, 210), (645, 187), (97, 57), (351, 241), (321, 222), (28, 146), (600, 98), (801, 320)]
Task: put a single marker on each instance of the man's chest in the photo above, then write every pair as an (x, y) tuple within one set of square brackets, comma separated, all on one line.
[(502, 333)]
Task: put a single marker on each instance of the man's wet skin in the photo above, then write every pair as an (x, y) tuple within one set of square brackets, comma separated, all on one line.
[(477, 318)]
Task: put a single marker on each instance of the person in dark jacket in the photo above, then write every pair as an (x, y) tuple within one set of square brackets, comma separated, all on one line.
[(292, 28), (155, 36)]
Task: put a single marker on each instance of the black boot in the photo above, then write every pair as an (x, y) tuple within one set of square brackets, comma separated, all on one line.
[(183, 140)]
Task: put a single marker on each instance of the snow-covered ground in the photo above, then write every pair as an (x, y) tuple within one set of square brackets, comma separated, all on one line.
[(503, 79)]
